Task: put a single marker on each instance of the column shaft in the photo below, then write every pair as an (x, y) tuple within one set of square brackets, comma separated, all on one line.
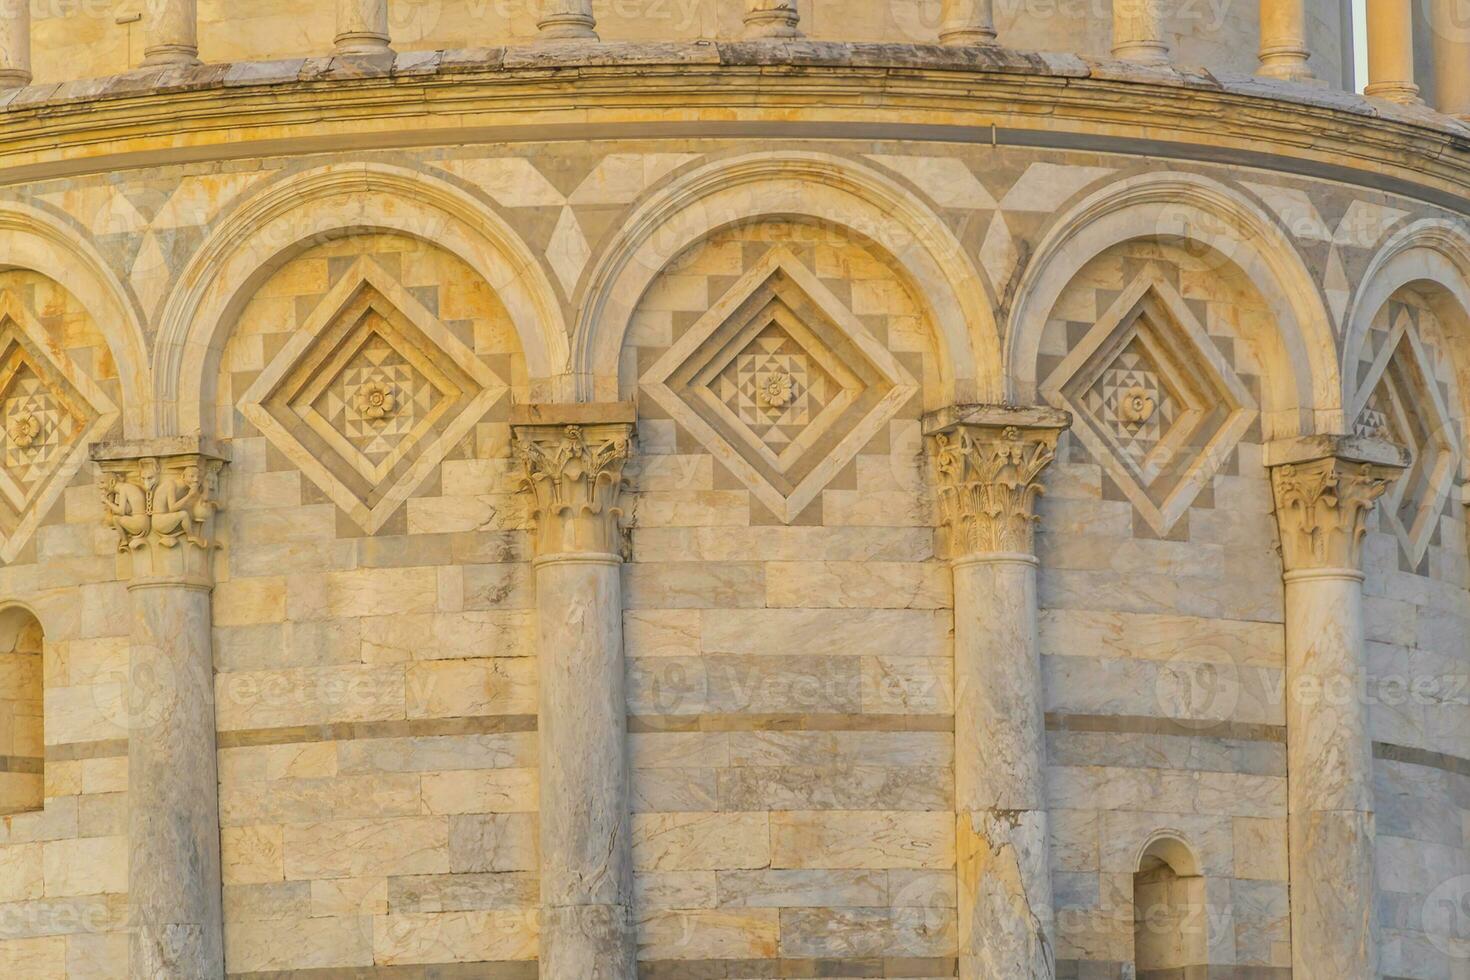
[(173, 786), (567, 19), (171, 29), (989, 461), (1391, 51), (586, 870), (1138, 32), (772, 19), (161, 497), (15, 43), (574, 475), (1284, 50), (967, 22), (1005, 877), (1450, 25), (362, 27), (1324, 490), (1329, 778)]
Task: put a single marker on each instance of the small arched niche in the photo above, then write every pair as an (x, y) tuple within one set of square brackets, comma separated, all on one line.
[(22, 741), (1170, 924)]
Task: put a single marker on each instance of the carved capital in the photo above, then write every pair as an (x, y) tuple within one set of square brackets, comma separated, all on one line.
[(162, 502), (574, 474), (1322, 508), (989, 462)]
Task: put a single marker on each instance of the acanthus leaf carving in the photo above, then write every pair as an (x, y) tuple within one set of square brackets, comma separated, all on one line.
[(574, 474), (1322, 509), (989, 482)]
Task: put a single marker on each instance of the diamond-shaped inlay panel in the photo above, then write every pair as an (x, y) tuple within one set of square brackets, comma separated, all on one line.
[(1155, 401), (1403, 405), (781, 382), (49, 413), (371, 393)]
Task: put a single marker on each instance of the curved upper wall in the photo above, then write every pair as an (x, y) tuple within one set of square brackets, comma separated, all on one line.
[(86, 40)]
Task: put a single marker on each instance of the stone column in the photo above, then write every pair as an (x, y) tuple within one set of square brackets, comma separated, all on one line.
[(963, 22), (573, 458), (15, 43), (171, 32), (989, 461), (1284, 51), (1451, 31), (567, 19), (362, 28), (772, 18), (1325, 488), (1138, 32), (161, 497), (1391, 51)]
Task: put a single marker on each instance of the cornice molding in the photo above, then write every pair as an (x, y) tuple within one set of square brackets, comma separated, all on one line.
[(963, 95)]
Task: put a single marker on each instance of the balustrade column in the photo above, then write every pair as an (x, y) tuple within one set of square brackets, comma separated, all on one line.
[(567, 19), (15, 43), (1324, 490), (772, 18), (989, 462), (1391, 51), (1284, 51), (161, 498), (1138, 32), (967, 22), (171, 32), (362, 28), (573, 458), (1450, 25)]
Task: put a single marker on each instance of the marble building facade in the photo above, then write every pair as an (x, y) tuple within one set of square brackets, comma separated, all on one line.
[(815, 492)]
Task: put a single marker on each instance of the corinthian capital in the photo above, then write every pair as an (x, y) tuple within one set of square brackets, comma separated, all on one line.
[(572, 459), (989, 461), (161, 496), (1325, 488)]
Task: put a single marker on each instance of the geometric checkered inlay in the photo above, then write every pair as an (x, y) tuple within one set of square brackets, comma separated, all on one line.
[(1155, 401), (370, 395), (781, 382), (775, 387), (377, 398), (37, 428), (1133, 400), (49, 413), (1403, 405)]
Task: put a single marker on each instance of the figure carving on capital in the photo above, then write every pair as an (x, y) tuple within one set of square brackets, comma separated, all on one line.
[(163, 502)]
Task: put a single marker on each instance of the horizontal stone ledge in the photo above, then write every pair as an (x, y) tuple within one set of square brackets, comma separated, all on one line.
[(735, 722), (1153, 725), (1429, 759), (799, 53), (760, 969), (500, 970), (110, 748), (358, 730), (30, 765)]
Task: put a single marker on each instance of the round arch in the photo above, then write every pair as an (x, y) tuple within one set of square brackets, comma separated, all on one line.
[(1431, 251), (1301, 386), (292, 214), (1170, 847), (35, 241), (810, 186)]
